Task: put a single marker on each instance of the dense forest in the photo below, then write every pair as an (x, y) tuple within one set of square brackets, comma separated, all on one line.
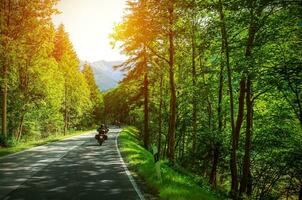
[(217, 87), (43, 89)]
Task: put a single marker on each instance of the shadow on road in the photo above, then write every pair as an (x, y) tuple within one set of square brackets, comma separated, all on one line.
[(89, 171)]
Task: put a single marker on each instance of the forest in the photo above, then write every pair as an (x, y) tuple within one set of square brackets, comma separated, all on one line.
[(43, 89), (217, 87)]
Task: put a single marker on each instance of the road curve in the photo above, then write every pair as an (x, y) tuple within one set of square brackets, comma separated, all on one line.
[(75, 168)]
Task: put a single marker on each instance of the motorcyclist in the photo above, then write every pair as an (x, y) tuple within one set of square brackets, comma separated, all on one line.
[(103, 130)]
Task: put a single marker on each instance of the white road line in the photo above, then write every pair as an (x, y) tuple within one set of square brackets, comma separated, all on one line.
[(141, 196)]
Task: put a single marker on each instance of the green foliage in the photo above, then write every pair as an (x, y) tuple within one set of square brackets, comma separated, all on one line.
[(263, 47), (95, 114), (118, 102), (174, 185), (76, 96), (45, 90)]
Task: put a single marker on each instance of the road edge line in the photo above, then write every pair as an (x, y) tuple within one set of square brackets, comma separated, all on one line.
[(131, 179)]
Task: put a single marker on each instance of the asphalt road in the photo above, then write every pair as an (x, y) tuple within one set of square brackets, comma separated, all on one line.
[(76, 168)]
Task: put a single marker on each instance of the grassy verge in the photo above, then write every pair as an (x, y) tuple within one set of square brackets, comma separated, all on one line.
[(29, 144), (174, 185)]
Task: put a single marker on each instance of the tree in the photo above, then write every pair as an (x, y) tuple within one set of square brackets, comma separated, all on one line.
[(242, 55), (95, 115), (136, 34), (76, 91), (18, 19)]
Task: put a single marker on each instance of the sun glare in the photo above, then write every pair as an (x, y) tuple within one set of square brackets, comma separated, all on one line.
[(89, 22)]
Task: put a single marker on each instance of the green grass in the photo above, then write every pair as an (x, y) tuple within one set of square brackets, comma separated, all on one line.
[(174, 185), (29, 144)]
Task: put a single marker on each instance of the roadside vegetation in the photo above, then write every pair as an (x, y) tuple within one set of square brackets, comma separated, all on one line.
[(175, 184), (45, 90), (217, 87)]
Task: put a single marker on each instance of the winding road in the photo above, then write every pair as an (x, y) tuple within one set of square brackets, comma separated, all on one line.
[(75, 168)]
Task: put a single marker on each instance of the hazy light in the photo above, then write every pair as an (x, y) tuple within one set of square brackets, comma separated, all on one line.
[(89, 22)]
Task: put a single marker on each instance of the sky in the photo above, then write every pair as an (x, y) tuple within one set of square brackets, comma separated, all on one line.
[(89, 22)]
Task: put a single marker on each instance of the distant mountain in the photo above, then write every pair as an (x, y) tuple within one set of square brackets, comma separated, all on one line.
[(105, 76)]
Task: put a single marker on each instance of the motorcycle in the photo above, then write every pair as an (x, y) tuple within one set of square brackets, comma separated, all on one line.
[(100, 138), (102, 135)]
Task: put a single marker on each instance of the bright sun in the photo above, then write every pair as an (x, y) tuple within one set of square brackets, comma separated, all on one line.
[(89, 22)]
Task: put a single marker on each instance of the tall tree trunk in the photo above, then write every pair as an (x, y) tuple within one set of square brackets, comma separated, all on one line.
[(213, 174), (247, 147), (146, 107), (160, 116), (5, 74), (235, 139), (233, 158), (172, 117), (240, 113), (246, 174), (219, 113)]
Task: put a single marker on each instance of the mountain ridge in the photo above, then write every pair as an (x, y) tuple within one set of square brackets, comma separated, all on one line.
[(105, 75)]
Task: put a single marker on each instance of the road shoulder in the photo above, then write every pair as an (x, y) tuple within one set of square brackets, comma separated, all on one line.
[(148, 193)]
